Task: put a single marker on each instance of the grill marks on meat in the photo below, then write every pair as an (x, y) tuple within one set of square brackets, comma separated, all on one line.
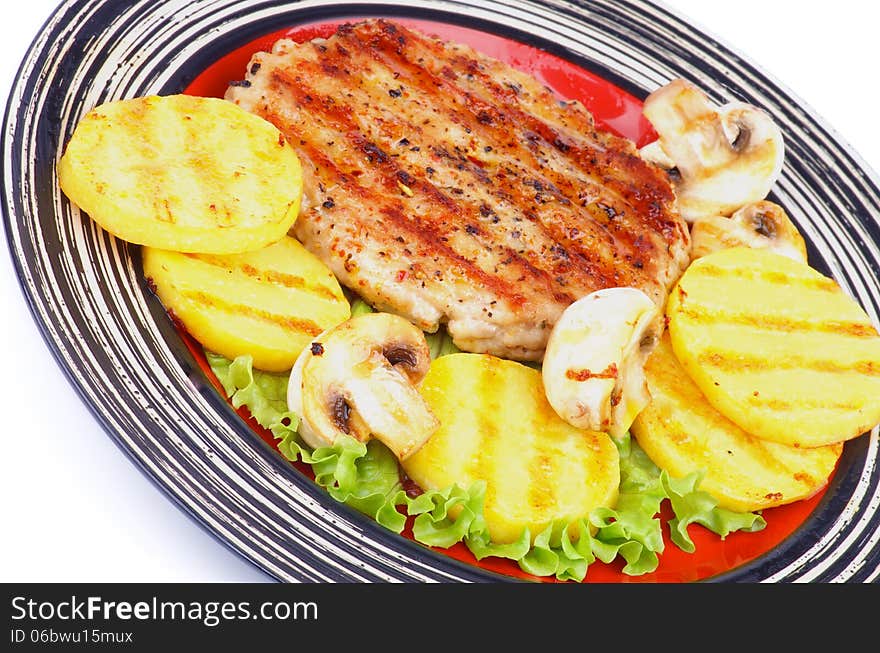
[(448, 187)]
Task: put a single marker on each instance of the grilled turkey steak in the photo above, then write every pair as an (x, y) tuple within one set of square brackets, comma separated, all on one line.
[(448, 187)]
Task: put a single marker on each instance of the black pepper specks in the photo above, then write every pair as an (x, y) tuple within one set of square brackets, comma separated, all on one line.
[(610, 211), (405, 178), (374, 153), (559, 251), (561, 145)]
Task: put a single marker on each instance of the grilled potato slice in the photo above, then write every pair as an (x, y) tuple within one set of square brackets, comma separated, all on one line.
[(682, 433), (776, 347), (269, 303), (497, 425), (183, 173)]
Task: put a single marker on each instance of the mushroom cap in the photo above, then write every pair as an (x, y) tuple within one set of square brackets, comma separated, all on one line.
[(725, 157), (360, 379)]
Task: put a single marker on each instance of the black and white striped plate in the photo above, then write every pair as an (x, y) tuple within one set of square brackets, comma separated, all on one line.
[(130, 366)]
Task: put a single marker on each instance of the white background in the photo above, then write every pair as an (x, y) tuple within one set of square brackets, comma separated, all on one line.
[(75, 509)]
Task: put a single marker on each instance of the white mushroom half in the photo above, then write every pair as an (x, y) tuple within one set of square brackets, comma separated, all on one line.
[(361, 379), (725, 157), (762, 225), (593, 368)]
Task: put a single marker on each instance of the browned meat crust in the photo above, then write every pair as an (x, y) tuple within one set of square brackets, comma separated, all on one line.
[(448, 187)]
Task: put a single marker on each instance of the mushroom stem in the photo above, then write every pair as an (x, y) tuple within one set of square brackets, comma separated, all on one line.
[(593, 369)]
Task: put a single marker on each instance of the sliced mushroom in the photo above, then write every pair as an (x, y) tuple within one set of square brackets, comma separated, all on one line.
[(593, 368), (725, 157), (762, 225), (655, 153), (361, 379)]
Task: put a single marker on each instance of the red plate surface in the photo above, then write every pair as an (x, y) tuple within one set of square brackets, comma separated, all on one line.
[(619, 112)]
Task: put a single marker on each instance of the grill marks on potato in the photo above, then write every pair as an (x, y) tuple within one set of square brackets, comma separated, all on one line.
[(496, 425), (682, 433), (217, 304), (183, 167), (183, 173), (777, 347), (269, 303), (772, 277), (779, 322), (485, 450), (737, 361), (269, 275), (523, 470), (775, 403)]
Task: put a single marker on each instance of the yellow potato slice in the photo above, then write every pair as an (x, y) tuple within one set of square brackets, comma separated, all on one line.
[(269, 303), (183, 173), (682, 433), (776, 347), (496, 425)]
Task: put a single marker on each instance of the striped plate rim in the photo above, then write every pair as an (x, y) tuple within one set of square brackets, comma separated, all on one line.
[(87, 294)]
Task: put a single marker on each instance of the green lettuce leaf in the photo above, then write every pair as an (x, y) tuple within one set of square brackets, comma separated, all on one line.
[(447, 516), (691, 505), (440, 343), (561, 550), (367, 478), (360, 307), (263, 393), (479, 543), (363, 476), (632, 529)]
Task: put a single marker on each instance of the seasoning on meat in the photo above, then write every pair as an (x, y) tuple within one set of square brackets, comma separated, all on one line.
[(512, 204)]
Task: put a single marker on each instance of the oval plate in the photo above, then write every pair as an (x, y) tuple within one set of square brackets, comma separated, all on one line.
[(138, 376)]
